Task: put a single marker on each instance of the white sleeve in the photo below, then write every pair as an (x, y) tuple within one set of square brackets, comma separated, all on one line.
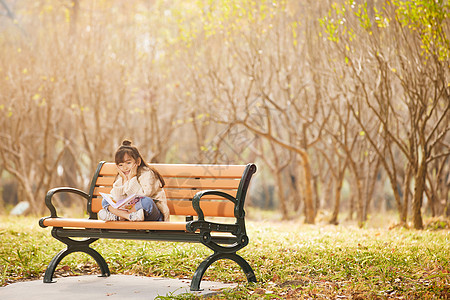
[(117, 191), (149, 183), (133, 186), (122, 190)]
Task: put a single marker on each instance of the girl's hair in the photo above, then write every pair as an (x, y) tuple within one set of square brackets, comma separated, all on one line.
[(132, 151)]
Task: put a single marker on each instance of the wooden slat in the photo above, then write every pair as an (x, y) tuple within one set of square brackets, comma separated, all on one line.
[(108, 169), (105, 181), (202, 184), (186, 170), (209, 208), (96, 204), (184, 208), (106, 190), (189, 194), (175, 193), (86, 223), (200, 171)]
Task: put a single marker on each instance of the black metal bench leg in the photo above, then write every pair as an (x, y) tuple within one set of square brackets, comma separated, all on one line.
[(79, 247), (198, 275)]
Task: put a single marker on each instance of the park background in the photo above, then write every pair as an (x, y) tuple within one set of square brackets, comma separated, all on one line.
[(343, 106)]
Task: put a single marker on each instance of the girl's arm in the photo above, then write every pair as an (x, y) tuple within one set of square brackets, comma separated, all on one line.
[(118, 190), (149, 183), (146, 185)]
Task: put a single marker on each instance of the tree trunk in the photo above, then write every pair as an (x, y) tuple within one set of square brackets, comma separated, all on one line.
[(404, 211), (281, 197), (351, 209), (74, 17), (398, 201), (359, 203), (316, 196), (295, 190), (447, 202), (309, 198), (431, 201), (370, 186), (445, 192), (359, 196), (337, 200), (419, 188)]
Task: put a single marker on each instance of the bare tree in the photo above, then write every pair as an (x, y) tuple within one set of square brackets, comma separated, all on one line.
[(413, 72)]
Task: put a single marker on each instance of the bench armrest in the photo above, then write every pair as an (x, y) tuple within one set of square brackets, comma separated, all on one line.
[(207, 227), (50, 193), (199, 195)]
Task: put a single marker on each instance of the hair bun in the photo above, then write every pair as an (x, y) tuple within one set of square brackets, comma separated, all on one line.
[(126, 143)]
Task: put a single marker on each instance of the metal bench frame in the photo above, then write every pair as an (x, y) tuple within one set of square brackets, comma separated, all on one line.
[(197, 231)]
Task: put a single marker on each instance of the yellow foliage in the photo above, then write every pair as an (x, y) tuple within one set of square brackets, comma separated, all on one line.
[(67, 15)]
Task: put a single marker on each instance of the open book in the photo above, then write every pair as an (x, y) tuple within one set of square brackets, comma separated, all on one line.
[(124, 204)]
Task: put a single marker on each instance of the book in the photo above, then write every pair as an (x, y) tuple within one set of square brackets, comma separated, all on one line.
[(124, 204)]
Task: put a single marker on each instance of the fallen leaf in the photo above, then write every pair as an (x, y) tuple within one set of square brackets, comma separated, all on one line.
[(260, 291)]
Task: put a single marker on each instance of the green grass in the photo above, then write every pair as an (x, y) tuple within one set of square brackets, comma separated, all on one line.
[(290, 260)]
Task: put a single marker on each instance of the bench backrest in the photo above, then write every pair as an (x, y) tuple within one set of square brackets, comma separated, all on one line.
[(183, 181)]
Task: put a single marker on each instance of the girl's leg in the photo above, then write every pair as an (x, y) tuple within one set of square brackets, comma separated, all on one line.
[(105, 204), (105, 214), (120, 212), (123, 215), (152, 212)]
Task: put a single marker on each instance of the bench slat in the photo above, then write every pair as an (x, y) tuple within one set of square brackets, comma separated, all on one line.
[(185, 170), (105, 181), (96, 205), (175, 182), (189, 194), (202, 184), (175, 193), (86, 223), (184, 208), (209, 208)]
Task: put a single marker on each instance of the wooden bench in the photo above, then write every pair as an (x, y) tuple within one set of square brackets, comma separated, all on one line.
[(196, 192)]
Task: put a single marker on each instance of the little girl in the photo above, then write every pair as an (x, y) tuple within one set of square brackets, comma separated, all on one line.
[(136, 177)]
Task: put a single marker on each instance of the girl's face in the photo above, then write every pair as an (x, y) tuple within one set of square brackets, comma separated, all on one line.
[(128, 164)]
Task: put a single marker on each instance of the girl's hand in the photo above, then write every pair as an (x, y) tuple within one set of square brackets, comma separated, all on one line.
[(133, 172), (124, 178)]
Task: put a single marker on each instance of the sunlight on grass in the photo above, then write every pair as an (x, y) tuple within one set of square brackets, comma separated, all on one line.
[(289, 259)]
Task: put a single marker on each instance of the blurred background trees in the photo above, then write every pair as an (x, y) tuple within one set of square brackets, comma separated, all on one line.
[(343, 105)]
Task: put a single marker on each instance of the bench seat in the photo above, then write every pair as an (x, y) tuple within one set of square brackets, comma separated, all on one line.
[(98, 224)]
